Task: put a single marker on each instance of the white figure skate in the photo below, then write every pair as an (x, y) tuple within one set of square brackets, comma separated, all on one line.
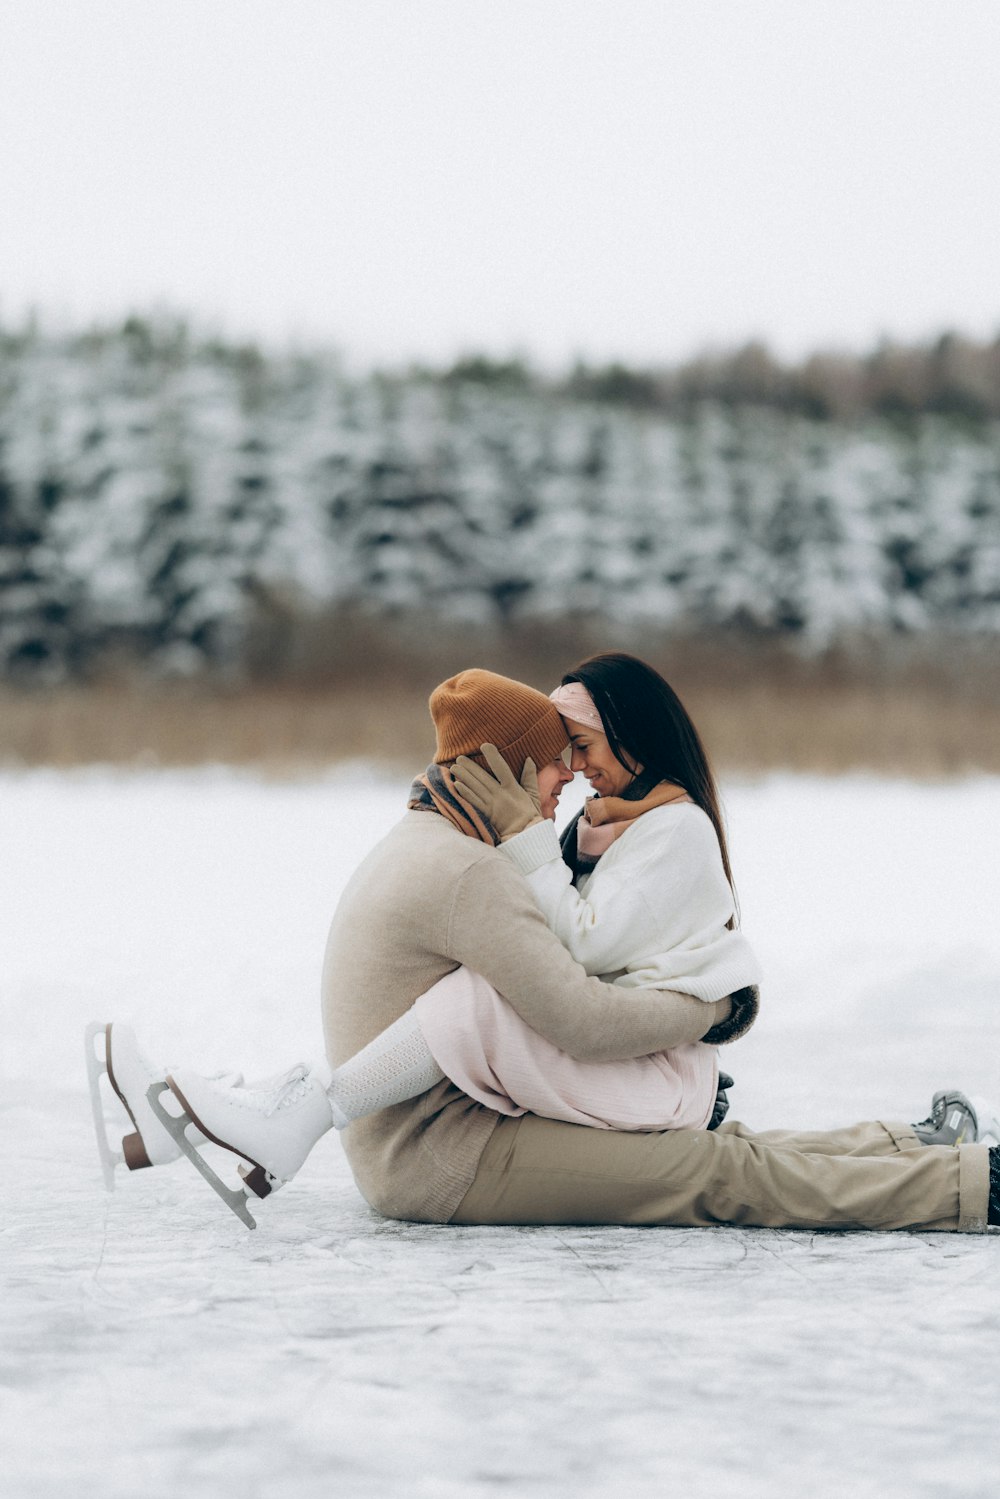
[(272, 1127), (113, 1052)]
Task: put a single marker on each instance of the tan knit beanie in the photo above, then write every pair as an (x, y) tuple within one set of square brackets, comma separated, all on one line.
[(479, 707)]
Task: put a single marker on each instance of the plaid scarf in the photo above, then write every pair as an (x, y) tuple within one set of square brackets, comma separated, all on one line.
[(434, 791)]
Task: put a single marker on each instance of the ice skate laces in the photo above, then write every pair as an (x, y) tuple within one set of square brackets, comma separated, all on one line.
[(285, 1091), (294, 1085), (935, 1118)]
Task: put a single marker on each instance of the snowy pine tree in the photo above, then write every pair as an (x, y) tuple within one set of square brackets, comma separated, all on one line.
[(159, 495)]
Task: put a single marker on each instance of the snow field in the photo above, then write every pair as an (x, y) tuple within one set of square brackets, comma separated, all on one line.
[(149, 1344)]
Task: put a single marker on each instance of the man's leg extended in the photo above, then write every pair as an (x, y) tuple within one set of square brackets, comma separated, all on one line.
[(872, 1137), (541, 1171)]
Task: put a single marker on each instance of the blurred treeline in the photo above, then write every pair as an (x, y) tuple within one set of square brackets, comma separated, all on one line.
[(950, 376), (181, 505)]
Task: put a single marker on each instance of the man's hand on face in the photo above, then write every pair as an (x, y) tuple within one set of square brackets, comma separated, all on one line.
[(509, 805)]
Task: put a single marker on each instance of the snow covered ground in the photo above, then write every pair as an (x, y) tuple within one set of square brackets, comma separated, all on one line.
[(150, 1346)]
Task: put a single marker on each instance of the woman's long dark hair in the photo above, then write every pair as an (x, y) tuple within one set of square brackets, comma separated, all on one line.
[(648, 725)]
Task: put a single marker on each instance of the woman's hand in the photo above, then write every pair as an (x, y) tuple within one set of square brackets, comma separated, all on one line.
[(601, 809), (508, 805)]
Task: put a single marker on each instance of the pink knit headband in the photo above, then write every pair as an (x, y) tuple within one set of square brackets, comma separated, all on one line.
[(575, 702)]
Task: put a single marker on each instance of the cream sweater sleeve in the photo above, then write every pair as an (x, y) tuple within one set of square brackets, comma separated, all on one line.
[(496, 928)]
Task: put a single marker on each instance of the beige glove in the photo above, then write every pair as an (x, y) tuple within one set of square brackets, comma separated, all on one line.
[(508, 806)]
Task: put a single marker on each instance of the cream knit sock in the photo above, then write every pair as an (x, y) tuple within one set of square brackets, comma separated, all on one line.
[(395, 1066)]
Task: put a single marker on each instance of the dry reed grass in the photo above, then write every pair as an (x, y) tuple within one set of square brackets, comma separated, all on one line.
[(751, 722), (345, 687)]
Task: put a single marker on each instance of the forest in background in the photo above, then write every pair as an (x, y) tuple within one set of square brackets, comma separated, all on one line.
[(209, 516)]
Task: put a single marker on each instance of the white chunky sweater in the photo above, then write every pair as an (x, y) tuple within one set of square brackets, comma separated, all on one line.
[(653, 913)]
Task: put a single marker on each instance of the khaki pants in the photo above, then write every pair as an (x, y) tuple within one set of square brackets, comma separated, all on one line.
[(871, 1175)]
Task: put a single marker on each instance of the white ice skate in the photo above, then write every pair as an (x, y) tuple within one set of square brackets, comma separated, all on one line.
[(112, 1051), (273, 1128)]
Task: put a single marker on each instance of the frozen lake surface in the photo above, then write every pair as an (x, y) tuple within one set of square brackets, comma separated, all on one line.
[(150, 1346)]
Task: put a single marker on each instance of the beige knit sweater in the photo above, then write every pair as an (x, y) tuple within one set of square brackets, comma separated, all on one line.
[(425, 900)]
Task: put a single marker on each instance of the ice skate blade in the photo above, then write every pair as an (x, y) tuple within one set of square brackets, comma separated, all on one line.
[(96, 1066), (175, 1125)]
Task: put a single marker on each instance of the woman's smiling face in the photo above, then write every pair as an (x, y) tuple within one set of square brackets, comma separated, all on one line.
[(593, 758)]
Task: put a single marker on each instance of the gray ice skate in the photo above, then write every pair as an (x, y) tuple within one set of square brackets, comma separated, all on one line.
[(952, 1120), (958, 1120)]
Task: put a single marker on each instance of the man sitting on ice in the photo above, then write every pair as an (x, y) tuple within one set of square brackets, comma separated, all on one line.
[(428, 899)]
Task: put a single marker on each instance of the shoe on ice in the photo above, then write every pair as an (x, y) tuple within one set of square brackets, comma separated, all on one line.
[(273, 1127), (952, 1121), (112, 1051)]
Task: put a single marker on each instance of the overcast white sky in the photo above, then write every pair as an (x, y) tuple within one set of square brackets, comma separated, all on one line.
[(412, 178)]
